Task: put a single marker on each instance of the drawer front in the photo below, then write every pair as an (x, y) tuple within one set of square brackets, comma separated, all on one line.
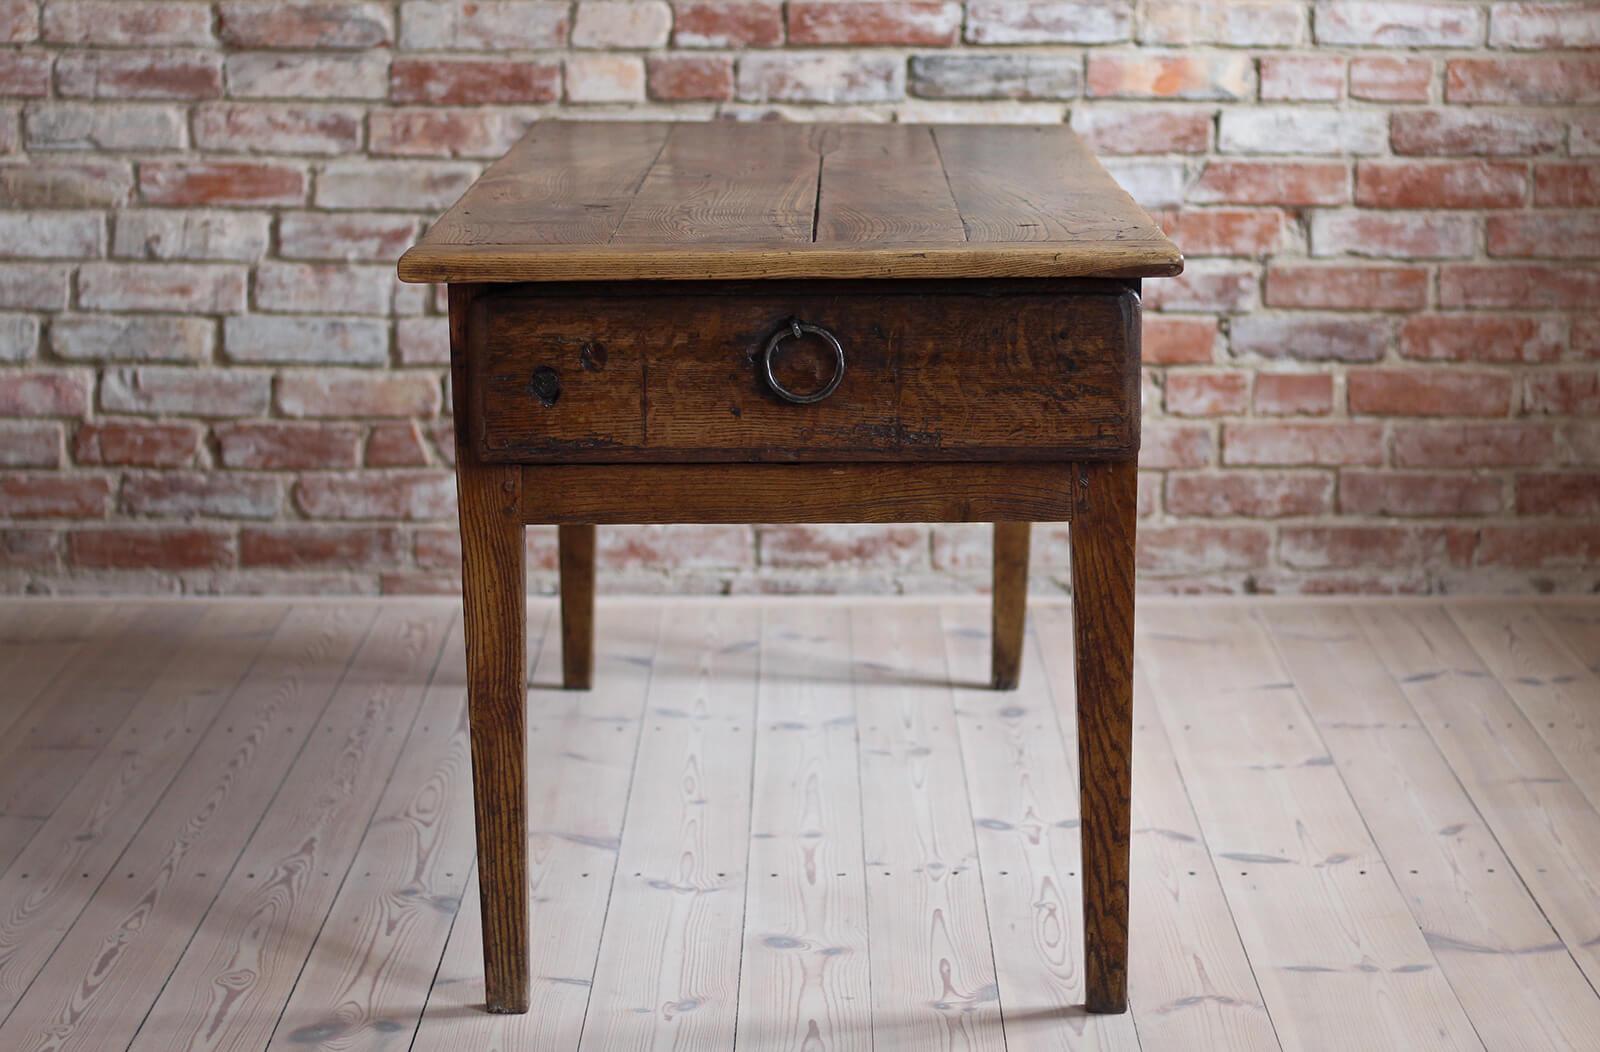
[(664, 373)]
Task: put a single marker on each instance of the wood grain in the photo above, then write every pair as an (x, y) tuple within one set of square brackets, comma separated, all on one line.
[(773, 493), (494, 597), (1515, 980), (1009, 606), (1102, 539), (884, 185), (576, 543), (804, 978), (97, 987), (933, 966)]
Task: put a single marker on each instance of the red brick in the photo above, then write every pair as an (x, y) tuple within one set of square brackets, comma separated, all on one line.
[(187, 494), (680, 547), (24, 74), (1325, 443), (1586, 336), (678, 78), (1370, 547), (45, 392), (1227, 231), (1293, 394), (1386, 78), (913, 23), (1477, 445), (830, 547), (1533, 81), (1572, 493), (150, 548), (1536, 26), (30, 444), (396, 444), (437, 548), (1167, 444), (281, 445), (19, 21), (1207, 392), (345, 24), (1471, 338), (473, 81), (1287, 183), (1417, 235), (1538, 546), (1210, 285), (1310, 337), (1562, 235), (278, 128), (221, 183), (1457, 131), (1347, 288), (1178, 341), (414, 495), (344, 236), (159, 390), (1566, 184), (327, 288), (728, 23), (1441, 184), (347, 392), (137, 22), (1387, 23), (1429, 392), (1581, 442), (320, 547), (1416, 493), (1134, 131), (1570, 392), (53, 496), (1250, 495), (136, 443), (1302, 78), (424, 341), (139, 74), (201, 288), (1518, 287), (1217, 75), (1201, 548)]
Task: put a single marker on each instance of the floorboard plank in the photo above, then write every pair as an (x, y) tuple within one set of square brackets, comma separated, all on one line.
[(1024, 795), (1340, 961), (36, 643), (933, 969), (72, 852), (1577, 625), (581, 748), (112, 964), (232, 982), (1515, 979), (668, 971), (804, 980), (1542, 820)]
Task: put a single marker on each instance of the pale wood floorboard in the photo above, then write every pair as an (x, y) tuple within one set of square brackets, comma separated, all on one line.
[(799, 824)]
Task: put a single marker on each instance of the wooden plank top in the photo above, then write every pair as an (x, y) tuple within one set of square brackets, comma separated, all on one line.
[(604, 201)]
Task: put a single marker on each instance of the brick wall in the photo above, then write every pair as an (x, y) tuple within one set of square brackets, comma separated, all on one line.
[(1380, 372)]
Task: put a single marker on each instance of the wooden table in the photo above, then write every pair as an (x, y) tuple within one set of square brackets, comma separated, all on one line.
[(656, 323)]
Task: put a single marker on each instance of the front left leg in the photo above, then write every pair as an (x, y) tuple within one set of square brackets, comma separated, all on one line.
[(576, 545), (1009, 610)]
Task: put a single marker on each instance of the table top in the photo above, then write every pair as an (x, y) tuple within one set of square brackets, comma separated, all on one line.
[(605, 201)]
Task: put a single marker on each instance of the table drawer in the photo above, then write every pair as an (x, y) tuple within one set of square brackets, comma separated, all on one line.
[(658, 372)]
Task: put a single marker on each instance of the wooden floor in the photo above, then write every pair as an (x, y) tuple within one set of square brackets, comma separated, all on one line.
[(799, 824)]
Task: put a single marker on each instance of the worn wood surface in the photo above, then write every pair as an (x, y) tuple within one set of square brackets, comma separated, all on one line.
[(303, 880), (610, 201), (957, 371)]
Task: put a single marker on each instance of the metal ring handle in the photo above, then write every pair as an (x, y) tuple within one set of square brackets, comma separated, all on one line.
[(797, 329)]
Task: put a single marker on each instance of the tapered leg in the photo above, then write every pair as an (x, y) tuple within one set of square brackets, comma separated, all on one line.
[(1102, 535), (577, 607), (495, 603), (1010, 605)]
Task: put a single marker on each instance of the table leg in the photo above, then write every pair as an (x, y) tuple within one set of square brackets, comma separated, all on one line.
[(1102, 537), (577, 606), (494, 594), (1010, 603)]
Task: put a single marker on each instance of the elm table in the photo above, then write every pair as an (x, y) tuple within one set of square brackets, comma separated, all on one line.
[(726, 322)]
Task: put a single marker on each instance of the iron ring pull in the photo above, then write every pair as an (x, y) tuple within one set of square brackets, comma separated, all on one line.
[(797, 329)]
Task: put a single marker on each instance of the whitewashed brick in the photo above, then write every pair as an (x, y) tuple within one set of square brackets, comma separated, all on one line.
[(146, 23), (196, 287), (427, 186), (29, 443), (159, 389), (1000, 76), (1302, 129), (234, 127), (260, 338), (482, 25), (65, 184), (321, 288), (1153, 183), (1394, 23), (33, 286), (1539, 26), (1048, 22), (52, 235), (115, 338), (1237, 23), (264, 75), (177, 235), (85, 126), (821, 77), (19, 337), (618, 24), (605, 78)]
